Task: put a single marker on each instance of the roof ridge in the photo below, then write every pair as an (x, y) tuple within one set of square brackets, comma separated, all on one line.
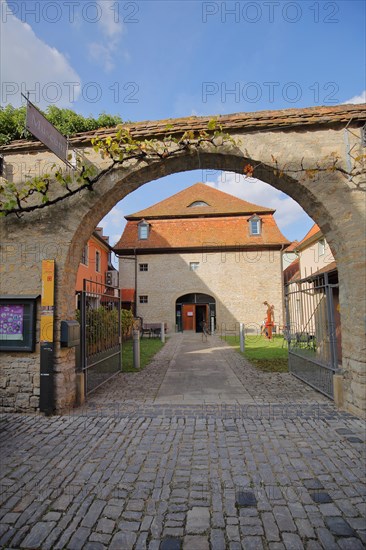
[(179, 204)]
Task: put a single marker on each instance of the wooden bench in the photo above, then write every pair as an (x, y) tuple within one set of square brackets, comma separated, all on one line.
[(152, 329)]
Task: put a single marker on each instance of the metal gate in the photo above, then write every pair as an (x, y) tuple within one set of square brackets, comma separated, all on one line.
[(101, 343), (312, 329)]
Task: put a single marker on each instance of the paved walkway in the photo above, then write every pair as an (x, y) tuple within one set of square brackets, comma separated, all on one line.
[(279, 468), (191, 370)]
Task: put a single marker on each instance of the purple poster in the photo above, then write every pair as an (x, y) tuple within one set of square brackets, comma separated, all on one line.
[(11, 322)]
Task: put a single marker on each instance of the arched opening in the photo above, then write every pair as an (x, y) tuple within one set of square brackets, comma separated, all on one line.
[(118, 184), (192, 310)]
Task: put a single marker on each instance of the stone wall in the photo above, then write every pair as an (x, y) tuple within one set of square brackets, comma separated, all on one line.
[(292, 140), (19, 383)]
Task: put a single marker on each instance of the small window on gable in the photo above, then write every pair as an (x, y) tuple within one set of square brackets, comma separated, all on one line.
[(143, 230), (255, 225), (193, 266), (198, 203), (144, 267)]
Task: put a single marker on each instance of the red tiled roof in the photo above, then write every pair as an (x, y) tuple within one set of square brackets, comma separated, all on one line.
[(219, 203), (315, 229), (292, 247), (208, 232), (128, 295), (292, 272), (326, 269)]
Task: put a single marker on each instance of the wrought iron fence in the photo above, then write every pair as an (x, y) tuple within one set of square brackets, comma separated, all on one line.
[(101, 343), (311, 332)]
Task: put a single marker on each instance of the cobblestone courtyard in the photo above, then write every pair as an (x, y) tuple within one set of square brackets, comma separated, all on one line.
[(138, 467)]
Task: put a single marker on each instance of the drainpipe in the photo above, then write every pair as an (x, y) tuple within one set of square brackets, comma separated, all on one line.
[(282, 289), (135, 312)]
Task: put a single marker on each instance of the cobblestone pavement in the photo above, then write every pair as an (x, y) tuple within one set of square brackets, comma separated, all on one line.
[(141, 475)]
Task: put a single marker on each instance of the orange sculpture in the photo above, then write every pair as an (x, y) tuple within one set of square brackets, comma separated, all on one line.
[(269, 321)]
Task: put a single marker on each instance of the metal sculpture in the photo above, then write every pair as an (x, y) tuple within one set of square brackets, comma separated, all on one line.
[(269, 324)]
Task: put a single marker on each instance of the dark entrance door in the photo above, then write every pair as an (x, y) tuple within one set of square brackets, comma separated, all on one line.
[(201, 315)]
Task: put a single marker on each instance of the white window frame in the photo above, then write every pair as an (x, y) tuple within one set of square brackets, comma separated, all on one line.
[(321, 247), (257, 221), (194, 266), (143, 231), (143, 299)]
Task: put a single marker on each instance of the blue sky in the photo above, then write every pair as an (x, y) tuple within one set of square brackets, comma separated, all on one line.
[(160, 59)]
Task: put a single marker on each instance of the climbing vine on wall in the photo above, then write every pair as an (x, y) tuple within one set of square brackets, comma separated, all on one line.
[(120, 149)]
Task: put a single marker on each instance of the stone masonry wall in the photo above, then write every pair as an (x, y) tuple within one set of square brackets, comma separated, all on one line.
[(19, 383)]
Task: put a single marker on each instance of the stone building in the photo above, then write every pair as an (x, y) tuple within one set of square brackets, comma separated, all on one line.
[(203, 255)]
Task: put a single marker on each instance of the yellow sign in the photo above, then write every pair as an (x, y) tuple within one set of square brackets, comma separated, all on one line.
[(48, 283), (47, 300)]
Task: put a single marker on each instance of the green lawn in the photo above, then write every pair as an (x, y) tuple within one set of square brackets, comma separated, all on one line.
[(148, 348), (267, 355)]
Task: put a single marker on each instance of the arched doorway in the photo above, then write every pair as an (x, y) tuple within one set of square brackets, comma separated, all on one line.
[(191, 310)]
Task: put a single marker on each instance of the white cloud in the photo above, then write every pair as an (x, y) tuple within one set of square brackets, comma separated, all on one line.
[(112, 28), (357, 99), (31, 64), (252, 190), (102, 54), (113, 224), (110, 19)]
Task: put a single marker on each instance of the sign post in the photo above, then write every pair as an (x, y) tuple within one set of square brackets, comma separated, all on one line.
[(46, 399)]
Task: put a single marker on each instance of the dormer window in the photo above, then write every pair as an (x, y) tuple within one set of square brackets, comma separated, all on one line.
[(198, 203), (143, 230), (255, 225)]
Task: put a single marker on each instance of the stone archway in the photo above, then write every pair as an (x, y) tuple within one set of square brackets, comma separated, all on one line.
[(295, 140)]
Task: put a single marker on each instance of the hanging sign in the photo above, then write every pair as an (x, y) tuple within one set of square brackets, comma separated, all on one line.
[(43, 130)]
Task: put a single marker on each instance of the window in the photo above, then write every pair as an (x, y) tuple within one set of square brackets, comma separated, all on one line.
[(198, 203), (321, 247), (144, 267), (144, 299), (255, 225), (97, 261), (143, 230), (85, 255), (193, 266)]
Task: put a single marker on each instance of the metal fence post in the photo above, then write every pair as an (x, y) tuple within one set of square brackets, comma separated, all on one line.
[(162, 332), (136, 348), (242, 337)]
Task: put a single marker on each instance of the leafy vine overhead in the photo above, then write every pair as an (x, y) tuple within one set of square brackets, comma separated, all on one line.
[(59, 184), (122, 148)]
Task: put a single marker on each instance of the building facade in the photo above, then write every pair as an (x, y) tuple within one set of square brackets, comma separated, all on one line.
[(96, 266), (203, 255), (315, 274)]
